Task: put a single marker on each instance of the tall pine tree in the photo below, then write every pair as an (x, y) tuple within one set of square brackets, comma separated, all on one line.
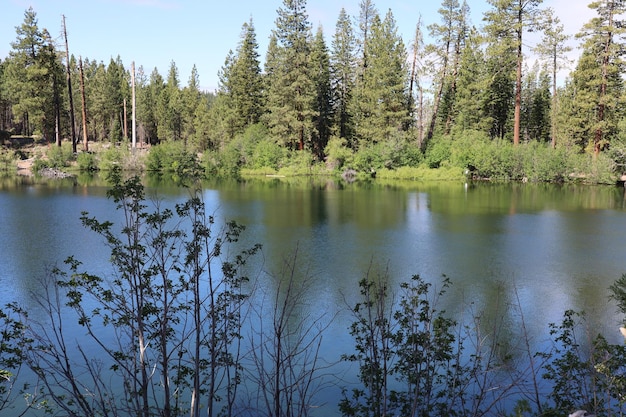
[(291, 97), (342, 73)]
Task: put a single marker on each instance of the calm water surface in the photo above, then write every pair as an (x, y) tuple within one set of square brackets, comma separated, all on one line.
[(550, 247)]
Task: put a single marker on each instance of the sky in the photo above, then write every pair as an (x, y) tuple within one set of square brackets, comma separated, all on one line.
[(155, 33)]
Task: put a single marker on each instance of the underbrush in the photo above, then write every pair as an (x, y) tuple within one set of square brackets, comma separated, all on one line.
[(484, 158)]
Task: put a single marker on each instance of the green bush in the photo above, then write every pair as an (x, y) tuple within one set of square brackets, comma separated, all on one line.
[(60, 156), (111, 158), (337, 153), (368, 158), (86, 162), (438, 152), (224, 164), (299, 163), (268, 154), (171, 157), (7, 158)]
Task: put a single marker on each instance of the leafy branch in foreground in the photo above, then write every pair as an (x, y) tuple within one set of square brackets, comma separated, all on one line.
[(162, 328)]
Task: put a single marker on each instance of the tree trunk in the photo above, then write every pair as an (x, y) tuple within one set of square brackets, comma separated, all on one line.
[(69, 89), (599, 134), (84, 106), (518, 81), (554, 99)]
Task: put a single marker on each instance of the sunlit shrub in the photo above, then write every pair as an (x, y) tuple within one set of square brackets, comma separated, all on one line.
[(299, 163), (268, 154), (171, 157), (438, 152), (86, 162), (337, 153), (111, 158)]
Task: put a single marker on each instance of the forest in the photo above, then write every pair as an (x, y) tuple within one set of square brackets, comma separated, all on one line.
[(473, 100)]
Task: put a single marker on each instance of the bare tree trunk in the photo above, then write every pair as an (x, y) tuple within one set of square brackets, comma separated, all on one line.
[(69, 89), (554, 99), (599, 134), (84, 106), (518, 82), (442, 75)]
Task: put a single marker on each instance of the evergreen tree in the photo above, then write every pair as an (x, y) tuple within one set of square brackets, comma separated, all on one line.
[(242, 84), (31, 77), (600, 69), (291, 92), (5, 103), (320, 69), (342, 73), (470, 112), (507, 22), (449, 36), (382, 107), (536, 98), (147, 106), (553, 49), (416, 106), (191, 97), (169, 108), (367, 15)]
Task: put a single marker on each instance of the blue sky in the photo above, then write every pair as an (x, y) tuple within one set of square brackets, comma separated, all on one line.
[(153, 33)]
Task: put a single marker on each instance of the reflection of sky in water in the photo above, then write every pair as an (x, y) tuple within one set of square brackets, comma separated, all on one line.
[(493, 252)]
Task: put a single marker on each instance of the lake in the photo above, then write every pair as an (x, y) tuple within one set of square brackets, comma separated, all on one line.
[(548, 248)]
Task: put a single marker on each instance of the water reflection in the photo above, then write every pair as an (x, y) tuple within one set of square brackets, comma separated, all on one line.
[(544, 248)]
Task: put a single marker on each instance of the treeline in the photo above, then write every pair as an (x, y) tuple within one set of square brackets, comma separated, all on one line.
[(366, 100)]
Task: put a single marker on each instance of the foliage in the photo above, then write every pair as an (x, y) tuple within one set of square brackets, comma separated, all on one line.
[(112, 158), (87, 162), (585, 370), (7, 158), (618, 294), (422, 173), (412, 358), (361, 90), (57, 157), (173, 307), (298, 163), (337, 153), (171, 157)]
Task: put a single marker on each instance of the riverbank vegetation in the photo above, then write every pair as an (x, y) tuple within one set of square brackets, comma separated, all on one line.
[(187, 323), (360, 101)]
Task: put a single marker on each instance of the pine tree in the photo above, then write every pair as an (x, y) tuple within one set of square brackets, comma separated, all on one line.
[(242, 81), (506, 24), (169, 107), (320, 71), (191, 97), (553, 49), (382, 106), (31, 77), (342, 72), (449, 37), (473, 86), (536, 98), (600, 68), (291, 92)]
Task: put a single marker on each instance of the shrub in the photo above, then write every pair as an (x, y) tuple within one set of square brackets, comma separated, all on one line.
[(60, 156), (111, 158), (171, 157), (438, 152), (299, 163), (7, 157), (337, 153), (87, 162), (268, 154)]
